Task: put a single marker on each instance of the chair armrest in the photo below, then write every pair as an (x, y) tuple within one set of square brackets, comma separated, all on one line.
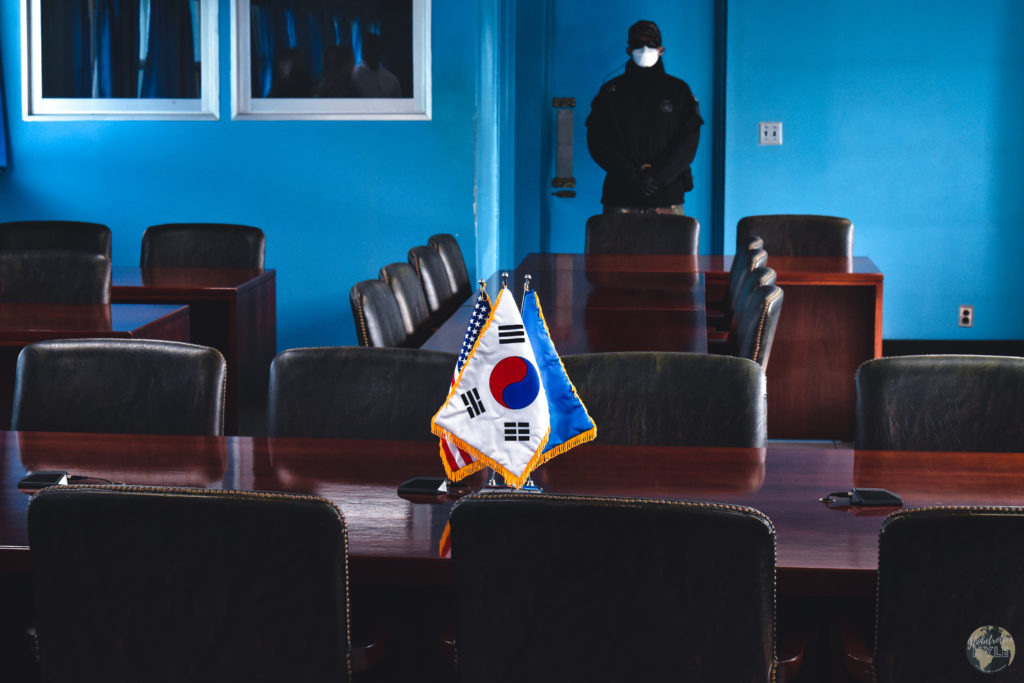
[(857, 658)]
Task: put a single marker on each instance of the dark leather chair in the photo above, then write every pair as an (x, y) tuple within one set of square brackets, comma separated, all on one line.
[(203, 245), (948, 588), (54, 277), (441, 299), (454, 264), (941, 403), (558, 588), (745, 261), (634, 233), (162, 584), (759, 275), (377, 316), (132, 386), (799, 234), (672, 399), (92, 238), (354, 392), (412, 304), (757, 321)]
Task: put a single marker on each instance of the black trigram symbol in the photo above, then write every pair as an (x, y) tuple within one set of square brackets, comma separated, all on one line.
[(511, 334), (517, 431), (472, 400)]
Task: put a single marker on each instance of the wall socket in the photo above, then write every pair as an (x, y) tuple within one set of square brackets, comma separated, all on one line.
[(966, 316), (769, 133)]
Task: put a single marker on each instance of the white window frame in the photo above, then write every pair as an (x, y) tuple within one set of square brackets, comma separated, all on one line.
[(39, 108), (245, 106)]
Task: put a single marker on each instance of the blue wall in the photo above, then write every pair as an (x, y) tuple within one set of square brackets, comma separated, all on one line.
[(904, 117), (337, 199)]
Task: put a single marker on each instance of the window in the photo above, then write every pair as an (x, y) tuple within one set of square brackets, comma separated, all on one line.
[(119, 59), (330, 59)]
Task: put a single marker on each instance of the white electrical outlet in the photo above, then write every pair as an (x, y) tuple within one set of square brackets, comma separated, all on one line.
[(966, 316), (769, 133)]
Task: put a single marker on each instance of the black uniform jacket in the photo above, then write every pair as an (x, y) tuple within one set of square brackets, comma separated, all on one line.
[(643, 117)]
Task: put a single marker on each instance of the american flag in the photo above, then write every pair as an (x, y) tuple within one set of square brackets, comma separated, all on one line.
[(458, 462)]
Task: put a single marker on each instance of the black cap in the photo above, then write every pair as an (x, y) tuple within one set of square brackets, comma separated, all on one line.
[(643, 31)]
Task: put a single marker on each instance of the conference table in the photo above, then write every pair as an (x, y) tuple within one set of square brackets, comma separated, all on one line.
[(394, 541), (232, 310), (831, 321)]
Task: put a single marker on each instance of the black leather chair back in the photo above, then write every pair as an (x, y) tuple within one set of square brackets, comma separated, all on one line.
[(641, 233), (54, 277), (377, 315), (454, 264), (949, 584), (741, 263), (556, 588), (441, 299), (672, 399), (145, 584), (741, 284), (354, 392), (759, 275), (412, 304), (799, 234), (757, 320), (92, 238), (941, 403), (203, 245), (131, 386)]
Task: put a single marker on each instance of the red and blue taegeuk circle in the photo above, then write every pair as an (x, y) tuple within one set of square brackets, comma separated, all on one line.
[(514, 382)]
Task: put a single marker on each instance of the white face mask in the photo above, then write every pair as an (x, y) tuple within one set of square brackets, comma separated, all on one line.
[(645, 56)]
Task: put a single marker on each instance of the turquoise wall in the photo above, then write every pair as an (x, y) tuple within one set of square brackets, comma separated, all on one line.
[(905, 117), (337, 199)]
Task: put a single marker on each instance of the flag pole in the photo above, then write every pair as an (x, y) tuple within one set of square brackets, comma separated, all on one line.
[(493, 482), (528, 485)]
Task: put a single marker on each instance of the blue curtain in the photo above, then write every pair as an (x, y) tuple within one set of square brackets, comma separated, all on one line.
[(116, 30), (296, 31), (90, 55), (170, 70), (67, 64)]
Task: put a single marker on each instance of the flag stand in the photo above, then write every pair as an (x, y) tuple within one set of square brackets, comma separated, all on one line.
[(493, 483)]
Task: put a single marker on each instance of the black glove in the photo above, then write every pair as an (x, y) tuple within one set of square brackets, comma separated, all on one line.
[(646, 183)]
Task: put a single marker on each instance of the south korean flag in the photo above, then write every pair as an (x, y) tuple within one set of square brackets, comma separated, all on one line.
[(497, 409)]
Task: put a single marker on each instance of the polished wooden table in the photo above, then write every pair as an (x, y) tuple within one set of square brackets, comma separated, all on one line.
[(22, 324), (393, 541), (831, 322), (591, 312), (232, 310)]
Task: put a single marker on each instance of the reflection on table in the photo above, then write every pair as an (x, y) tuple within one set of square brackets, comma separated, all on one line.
[(232, 310), (393, 540)]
